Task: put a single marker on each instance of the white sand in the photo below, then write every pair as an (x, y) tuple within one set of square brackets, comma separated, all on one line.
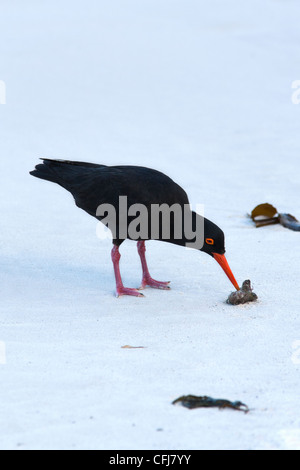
[(202, 91)]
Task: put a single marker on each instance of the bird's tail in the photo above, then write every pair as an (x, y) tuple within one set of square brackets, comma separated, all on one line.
[(62, 172), (45, 172)]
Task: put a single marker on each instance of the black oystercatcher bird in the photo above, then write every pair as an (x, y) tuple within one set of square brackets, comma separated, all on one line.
[(140, 204)]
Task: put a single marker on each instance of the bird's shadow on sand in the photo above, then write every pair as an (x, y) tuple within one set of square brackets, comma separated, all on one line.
[(36, 270)]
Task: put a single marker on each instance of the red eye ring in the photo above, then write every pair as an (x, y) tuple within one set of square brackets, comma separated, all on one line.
[(210, 241)]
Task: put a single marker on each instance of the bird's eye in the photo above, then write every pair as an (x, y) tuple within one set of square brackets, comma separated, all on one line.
[(210, 241)]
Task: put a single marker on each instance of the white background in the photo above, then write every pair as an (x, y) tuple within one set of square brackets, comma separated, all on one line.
[(202, 91)]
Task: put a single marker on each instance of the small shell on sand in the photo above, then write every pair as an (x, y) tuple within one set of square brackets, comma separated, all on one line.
[(242, 296)]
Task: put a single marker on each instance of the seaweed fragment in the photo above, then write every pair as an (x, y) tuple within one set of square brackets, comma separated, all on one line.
[(289, 221), (193, 401), (266, 214)]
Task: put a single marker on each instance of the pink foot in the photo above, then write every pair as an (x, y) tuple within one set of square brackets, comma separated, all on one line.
[(148, 281), (128, 291)]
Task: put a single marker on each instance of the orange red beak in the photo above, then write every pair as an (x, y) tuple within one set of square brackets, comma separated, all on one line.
[(221, 259)]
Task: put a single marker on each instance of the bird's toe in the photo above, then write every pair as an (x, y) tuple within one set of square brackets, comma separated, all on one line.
[(155, 284), (128, 291)]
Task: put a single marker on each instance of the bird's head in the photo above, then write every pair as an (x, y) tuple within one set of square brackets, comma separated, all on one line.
[(214, 245)]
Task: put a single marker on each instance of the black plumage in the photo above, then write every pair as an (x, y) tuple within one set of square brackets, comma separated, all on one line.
[(93, 185)]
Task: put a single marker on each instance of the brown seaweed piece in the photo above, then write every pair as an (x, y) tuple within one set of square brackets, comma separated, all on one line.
[(193, 401), (266, 214), (242, 296)]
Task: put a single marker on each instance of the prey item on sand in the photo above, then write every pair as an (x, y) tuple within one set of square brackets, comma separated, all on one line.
[(242, 296)]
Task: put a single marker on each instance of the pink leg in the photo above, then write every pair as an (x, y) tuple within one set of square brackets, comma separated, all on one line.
[(147, 279), (121, 290)]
